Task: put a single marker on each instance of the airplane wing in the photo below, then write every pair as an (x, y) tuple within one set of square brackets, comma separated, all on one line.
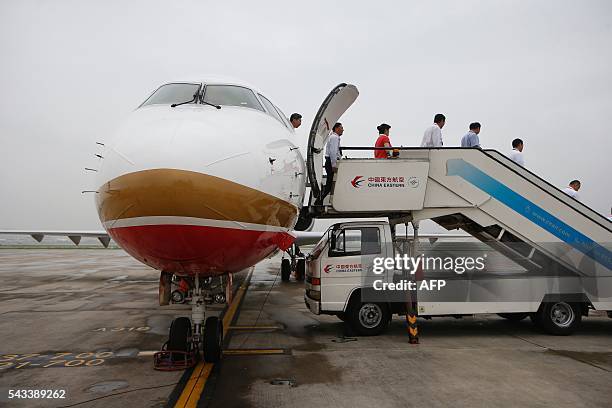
[(301, 237), (75, 236)]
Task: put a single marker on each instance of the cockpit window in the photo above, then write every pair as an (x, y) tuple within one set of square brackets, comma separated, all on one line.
[(172, 93), (231, 95), (271, 109), (282, 115)]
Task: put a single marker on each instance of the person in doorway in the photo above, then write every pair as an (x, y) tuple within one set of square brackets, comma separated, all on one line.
[(332, 155), (296, 120)]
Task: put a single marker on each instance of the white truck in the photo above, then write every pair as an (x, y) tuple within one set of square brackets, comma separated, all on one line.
[(340, 281)]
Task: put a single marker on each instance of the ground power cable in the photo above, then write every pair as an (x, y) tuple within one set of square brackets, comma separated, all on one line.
[(265, 301)]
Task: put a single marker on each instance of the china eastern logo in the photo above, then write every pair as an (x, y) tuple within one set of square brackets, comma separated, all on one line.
[(343, 268), (356, 182), (349, 267), (384, 182)]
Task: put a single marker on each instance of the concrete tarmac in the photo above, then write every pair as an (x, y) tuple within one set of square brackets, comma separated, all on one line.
[(482, 361), (86, 321)]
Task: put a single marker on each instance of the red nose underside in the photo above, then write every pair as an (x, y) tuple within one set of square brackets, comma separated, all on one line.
[(190, 249)]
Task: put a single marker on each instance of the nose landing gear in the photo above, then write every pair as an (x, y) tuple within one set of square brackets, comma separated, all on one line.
[(189, 340)]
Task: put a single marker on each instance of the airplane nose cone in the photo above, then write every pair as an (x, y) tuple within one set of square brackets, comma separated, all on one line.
[(188, 222)]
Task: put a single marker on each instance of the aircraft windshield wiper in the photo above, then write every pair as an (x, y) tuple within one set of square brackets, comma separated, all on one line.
[(195, 96), (211, 104)]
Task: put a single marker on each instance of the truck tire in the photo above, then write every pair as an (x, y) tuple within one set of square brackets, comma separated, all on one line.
[(558, 318), (513, 317), (285, 270), (300, 269), (368, 318)]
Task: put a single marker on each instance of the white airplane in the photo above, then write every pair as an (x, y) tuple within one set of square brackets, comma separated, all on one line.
[(204, 179)]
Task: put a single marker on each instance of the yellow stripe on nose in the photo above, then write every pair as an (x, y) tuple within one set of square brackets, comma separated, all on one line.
[(181, 193)]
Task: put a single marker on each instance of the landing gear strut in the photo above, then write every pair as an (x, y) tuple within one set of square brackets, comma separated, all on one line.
[(296, 262), (190, 339)]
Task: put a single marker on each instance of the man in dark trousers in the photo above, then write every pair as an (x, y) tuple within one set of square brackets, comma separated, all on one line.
[(332, 155)]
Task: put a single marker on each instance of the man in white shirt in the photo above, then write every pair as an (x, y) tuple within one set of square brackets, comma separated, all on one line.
[(433, 134), (332, 155), (572, 189), (516, 155)]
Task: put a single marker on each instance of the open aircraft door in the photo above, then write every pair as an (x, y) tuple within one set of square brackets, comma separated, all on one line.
[(333, 107)]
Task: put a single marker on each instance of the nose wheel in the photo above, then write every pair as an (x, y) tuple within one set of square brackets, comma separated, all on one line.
[(213, 339), (189, 337), (178, 353)]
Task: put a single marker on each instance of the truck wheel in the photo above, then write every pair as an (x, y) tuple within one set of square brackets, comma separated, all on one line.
[(300, 269), (559, 318), (285, 270), (513, 317), (368, 319)]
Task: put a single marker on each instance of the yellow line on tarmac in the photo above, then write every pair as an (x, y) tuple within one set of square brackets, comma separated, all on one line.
[(255, 327), (243, 352), (191, 393), (231, 311), (195, 385)]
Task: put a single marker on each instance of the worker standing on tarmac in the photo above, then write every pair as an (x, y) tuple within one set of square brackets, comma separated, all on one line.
[(433, 134), (383, 141), (332, 155)]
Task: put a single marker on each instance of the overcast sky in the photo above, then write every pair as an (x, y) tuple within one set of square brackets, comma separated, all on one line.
[(71, 70)]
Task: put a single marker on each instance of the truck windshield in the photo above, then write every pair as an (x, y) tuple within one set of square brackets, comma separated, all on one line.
[(172, 93), (321, 244)]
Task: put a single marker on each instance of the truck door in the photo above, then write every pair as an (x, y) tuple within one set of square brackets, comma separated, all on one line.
[(333, 107), (350, 256)]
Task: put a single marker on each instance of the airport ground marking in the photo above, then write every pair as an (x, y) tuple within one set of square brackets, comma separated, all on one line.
[(249, 352), (196, 383), (255, 328), (121, 329), (58, 359)]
